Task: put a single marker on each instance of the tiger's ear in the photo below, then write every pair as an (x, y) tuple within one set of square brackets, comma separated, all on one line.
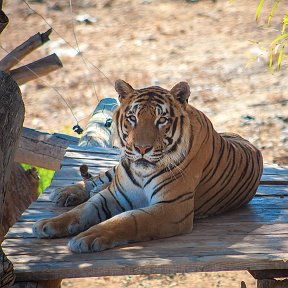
[(123, 89), (181, 92)]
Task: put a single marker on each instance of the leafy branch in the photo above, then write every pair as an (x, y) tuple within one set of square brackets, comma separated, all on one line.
[(277, 46)]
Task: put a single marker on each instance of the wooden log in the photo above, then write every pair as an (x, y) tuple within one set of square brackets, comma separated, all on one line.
[(36, 69), (43, 149), (23, 50), (99, 128)]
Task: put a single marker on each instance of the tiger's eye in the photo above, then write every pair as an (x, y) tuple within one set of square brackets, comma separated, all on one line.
[(162, 120), (132, 118)]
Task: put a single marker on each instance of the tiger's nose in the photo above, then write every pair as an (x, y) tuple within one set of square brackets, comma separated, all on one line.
[(143, 149)]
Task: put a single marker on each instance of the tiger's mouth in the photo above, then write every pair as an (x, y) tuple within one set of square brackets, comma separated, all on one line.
[(144, 163)]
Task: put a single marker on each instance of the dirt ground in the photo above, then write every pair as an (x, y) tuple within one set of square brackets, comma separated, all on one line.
[(157, 42)]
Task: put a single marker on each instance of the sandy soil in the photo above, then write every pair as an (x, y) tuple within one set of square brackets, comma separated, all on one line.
[(157, 42)]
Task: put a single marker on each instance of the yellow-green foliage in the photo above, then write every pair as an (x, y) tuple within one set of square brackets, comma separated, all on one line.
[(277, 46), (45, 177)]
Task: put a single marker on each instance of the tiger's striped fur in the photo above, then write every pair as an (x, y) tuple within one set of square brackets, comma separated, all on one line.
[(174, 167)]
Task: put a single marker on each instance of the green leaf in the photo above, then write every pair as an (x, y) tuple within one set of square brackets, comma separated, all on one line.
[(273, 11), (271, 62), (280, 58), (279, 38), (259, 8), (285, 22)]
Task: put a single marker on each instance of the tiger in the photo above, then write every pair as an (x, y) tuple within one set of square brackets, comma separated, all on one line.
[(174, 168)]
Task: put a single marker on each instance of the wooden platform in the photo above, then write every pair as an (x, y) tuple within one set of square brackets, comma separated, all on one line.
[(251, 238)]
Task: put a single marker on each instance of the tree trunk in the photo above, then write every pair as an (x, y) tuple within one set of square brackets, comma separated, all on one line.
[(11, 119), (17, 187)]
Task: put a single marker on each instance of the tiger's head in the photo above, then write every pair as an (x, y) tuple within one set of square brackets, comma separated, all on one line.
[(153, 125)]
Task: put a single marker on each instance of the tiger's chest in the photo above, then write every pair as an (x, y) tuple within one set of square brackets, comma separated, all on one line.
[(142, 190)]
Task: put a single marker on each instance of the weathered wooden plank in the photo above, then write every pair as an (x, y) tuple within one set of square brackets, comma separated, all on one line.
[(24, 229), (263, 190), (46, 258), (95, 267), (260, 202), (275, 169), (78, 162), (272, 190), (93, 149), (61, 183), (275, 243), (92, 156), (72, 173)]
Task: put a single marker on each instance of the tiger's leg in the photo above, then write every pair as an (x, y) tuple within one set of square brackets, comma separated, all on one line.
[(101, 181), (100, 207), (73, 195), (157, 221)]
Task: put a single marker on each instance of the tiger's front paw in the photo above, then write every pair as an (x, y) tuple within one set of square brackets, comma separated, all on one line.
[(92, 240), (44, 229), (70, 195), (55, 228)]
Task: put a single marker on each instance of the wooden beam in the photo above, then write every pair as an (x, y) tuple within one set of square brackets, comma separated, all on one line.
[(23, 50), (36, 69), (43, 149)]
